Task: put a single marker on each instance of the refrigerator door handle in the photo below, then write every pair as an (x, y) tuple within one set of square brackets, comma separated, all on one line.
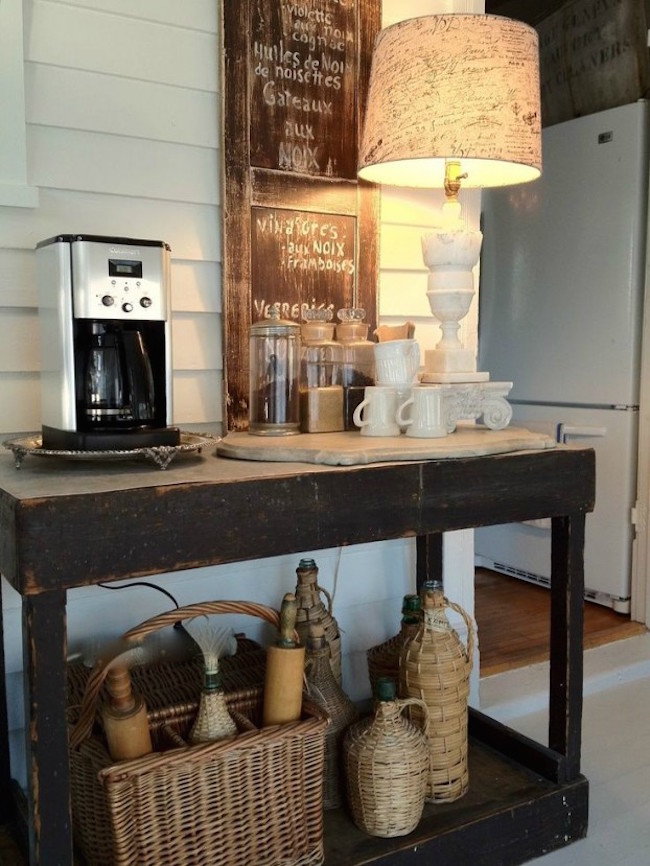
[(565, 431)]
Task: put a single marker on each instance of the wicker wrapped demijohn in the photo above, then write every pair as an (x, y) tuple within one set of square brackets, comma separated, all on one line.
[(311, 609), (324, 690), (435, 666), (387, 766), (383, 659)]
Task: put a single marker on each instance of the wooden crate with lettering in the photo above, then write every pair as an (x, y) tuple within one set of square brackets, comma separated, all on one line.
[(593, 56)]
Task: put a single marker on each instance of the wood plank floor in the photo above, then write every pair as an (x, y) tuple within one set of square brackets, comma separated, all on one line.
[(512, 618)]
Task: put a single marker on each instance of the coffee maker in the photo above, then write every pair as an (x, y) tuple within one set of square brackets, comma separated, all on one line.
[(105, 340)]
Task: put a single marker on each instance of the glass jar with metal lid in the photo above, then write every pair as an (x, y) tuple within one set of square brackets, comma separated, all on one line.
[(274, 408), (358, 368), (321, 394)]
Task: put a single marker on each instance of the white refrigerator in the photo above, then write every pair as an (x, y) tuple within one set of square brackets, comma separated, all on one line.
[(561, 306)]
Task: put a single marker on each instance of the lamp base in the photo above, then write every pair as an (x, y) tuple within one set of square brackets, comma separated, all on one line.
[(435, 378), (451, 365), (474, 400)]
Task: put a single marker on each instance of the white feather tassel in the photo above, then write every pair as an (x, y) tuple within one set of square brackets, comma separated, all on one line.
[(213, 721), (213, 641)]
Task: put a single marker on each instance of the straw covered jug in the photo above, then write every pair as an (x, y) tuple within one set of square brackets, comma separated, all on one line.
[(387, 765), (435, 666)]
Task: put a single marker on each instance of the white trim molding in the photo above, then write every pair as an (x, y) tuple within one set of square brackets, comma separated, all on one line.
[(14, 189)]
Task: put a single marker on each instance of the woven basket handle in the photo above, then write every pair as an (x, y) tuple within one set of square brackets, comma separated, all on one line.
[(134, 636), (409, 702)]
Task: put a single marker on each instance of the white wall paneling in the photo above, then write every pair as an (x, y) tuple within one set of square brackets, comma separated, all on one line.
[(192, 230), (197, 400), (196, 286), (14, 189), (196, 341), (120, 106), (201, 15), (136, 167), (19, 340), (78, 37), (20, 402), (17, 278)]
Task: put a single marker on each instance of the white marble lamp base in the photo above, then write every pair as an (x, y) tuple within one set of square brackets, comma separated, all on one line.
[(451, 365)]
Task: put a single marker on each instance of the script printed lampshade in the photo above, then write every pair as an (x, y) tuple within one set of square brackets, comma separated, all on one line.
[(453, 87)]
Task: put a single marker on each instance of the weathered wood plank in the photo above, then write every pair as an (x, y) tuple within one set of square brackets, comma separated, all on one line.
[(303, 510), (567, 622), (44, 651)]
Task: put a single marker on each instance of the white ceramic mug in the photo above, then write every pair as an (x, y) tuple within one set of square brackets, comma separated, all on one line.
[(375, 414), (427, 419), (396, 362)]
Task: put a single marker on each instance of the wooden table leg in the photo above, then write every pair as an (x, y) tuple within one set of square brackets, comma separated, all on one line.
[(5, 768), (567, 620), (44, 660), (428, 558)]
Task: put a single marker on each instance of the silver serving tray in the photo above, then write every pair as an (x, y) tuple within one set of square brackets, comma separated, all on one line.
[(161, 455)]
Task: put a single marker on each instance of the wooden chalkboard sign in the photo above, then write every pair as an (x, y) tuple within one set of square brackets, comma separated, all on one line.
[(302, 68), (299, 229)]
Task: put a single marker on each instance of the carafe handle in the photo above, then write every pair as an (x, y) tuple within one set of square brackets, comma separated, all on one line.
[(404, 703)]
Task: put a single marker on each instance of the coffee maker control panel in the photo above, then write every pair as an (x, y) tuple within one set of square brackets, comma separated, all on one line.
[(120, 281)]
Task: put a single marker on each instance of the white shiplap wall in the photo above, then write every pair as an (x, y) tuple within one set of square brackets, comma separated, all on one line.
[(123, 132)]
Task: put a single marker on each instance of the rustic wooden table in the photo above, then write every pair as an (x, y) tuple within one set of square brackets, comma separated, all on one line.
[(67, 524)]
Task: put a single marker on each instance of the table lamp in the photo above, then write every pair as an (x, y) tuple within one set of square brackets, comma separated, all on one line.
[(454, 102)]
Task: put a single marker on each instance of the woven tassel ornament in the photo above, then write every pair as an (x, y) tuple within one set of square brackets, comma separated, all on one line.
[(213, 721)]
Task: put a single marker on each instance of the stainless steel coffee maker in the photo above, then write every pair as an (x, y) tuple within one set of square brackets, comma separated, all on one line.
[(105, 343)]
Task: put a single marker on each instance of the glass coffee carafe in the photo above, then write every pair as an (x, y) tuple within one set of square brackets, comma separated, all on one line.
[(118, 381)]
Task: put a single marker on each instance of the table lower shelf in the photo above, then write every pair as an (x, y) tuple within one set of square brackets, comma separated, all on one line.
[(509, 816)]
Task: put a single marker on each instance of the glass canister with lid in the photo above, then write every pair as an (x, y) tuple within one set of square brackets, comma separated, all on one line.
[(274, 407), (358, 368), (321, 393)]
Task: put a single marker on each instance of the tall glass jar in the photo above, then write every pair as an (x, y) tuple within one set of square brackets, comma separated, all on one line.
[(321, 394), (274, 407), (358, 368)]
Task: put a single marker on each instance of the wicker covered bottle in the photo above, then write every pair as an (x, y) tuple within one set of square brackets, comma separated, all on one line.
[(435, 666), (312, 610), (387, 766), (324, 690), (383, 659)]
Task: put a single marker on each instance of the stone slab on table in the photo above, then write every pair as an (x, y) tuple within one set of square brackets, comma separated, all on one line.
[(351, 448)]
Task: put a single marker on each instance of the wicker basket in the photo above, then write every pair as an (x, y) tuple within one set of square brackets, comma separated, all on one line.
[(256, 798), (166, 682)]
